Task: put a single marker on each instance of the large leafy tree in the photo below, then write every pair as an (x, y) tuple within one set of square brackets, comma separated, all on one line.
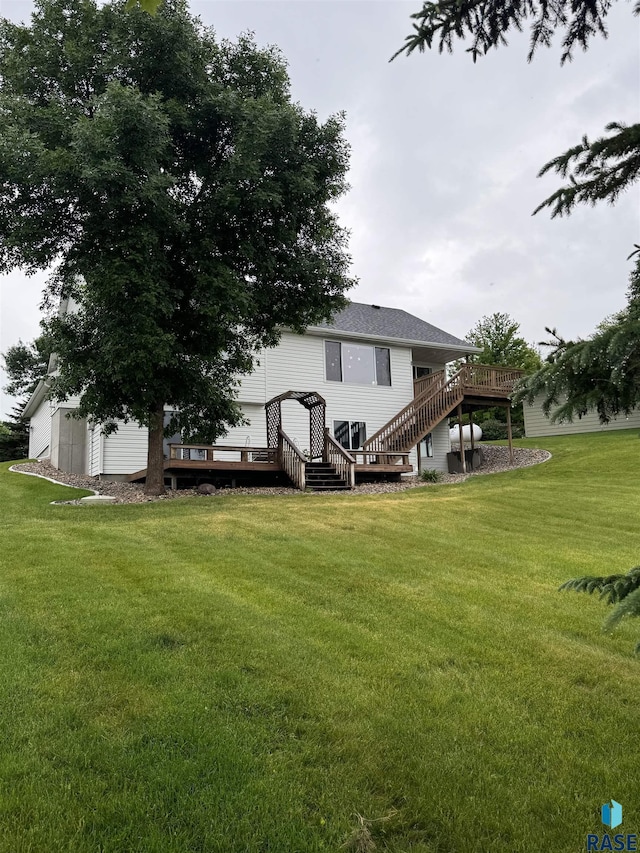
[(498, 335), (184, 198)]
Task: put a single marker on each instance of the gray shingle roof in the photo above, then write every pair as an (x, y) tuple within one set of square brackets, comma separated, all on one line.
[(382, 322)]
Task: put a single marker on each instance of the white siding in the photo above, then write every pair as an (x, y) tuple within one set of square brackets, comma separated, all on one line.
[(441, 446), (71, 403), (253, 386), (537, 424), (298, 364), (254, 433), (40, 431), (125, 451)]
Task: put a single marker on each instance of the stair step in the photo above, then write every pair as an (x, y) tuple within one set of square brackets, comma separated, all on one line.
[(328, 475), (333, 488)]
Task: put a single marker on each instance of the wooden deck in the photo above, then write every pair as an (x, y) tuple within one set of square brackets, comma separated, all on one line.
[(189, 459), (209, 457)]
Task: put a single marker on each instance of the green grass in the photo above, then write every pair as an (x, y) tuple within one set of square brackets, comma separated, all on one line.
[(251, 674)]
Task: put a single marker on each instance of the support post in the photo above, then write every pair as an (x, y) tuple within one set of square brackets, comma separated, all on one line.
[(509, 434), (473, 443), (462, 459)]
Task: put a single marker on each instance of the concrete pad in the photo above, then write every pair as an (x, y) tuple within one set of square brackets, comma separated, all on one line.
[(98, 499)]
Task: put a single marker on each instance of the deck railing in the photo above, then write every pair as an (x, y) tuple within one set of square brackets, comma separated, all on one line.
[(220, 453), (381, 457), (488, 378), (293, 462), (340, 458)]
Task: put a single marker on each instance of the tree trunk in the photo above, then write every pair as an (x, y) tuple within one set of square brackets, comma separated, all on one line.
[(154, 484)]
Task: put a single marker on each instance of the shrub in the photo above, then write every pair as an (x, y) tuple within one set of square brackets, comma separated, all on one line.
[(493, 430), (430, 475)]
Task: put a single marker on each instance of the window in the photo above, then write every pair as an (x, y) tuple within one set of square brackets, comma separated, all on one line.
[(426, 447), (333, 360), (383, 366), (419, 371), (350, 434), (356, 364)]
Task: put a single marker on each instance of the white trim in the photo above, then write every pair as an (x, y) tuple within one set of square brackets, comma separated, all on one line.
[(35, 399)]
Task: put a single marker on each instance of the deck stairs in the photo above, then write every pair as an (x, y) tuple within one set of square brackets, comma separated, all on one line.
[(323, 477), (435, 399)]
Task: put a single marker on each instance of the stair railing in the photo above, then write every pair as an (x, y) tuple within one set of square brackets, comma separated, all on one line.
[(411, 424), (292, 461), (335, 454), (427, 384)]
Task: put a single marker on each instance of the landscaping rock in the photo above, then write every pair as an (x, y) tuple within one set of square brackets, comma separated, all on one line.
[(496, 459), (206, 489)]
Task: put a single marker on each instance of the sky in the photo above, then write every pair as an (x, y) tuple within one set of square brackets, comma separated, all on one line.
[(444, 161)]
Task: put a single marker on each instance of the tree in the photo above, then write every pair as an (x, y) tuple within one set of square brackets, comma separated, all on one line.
[(184, 197), (601, 373), (25, 364), (622, 591), (597, 171), (14, 438), (498, 337), (150, 6)]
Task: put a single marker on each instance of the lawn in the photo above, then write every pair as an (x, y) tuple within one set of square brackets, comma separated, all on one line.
[(266, 673)]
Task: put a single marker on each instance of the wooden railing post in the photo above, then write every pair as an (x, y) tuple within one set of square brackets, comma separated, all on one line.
[(463, 460)]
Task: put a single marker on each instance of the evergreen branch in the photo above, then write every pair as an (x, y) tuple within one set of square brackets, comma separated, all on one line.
[(612, 588), (597, 171), (487, 22), (628, 606)]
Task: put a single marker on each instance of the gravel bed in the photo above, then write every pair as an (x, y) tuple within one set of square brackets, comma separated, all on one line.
[(496, 459)]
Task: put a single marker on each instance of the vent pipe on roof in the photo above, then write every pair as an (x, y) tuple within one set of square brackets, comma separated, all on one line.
[(376, 306)]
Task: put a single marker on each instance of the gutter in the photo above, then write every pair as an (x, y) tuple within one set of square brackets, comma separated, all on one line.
[(328, 332), (35, 399)]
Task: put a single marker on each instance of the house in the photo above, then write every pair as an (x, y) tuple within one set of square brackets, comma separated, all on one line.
[(369, 367), (536, 423)]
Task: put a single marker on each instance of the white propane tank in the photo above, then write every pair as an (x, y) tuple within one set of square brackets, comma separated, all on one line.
[(454, 433)]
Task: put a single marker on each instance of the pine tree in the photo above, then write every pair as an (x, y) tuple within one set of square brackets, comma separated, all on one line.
[(14, 437)]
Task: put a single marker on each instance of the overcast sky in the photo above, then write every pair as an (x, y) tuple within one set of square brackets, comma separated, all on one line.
[(444, 158)]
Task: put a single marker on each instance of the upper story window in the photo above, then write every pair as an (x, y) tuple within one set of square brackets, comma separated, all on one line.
[(356, 364)]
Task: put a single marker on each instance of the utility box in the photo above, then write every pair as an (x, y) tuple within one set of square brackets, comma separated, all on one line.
[(473, 459)]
